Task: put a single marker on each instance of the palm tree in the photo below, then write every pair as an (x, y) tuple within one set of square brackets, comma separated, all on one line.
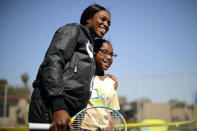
[(25, 79), (3, 82)]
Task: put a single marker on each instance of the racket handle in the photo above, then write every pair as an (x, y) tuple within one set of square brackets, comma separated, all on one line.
[(39, 126)]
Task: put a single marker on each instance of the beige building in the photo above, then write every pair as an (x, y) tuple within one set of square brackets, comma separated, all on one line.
[(156, 111), (17, 112), (182, 114), (165, 112)]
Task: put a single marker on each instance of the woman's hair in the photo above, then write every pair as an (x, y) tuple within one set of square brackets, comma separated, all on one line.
[(90, 11), (98, 43)]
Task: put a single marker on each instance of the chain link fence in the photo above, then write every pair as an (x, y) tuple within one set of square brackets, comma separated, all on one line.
[(169, 96)]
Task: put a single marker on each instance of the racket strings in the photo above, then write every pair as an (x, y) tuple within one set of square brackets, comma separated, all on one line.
[(78, 122), (115, 122)]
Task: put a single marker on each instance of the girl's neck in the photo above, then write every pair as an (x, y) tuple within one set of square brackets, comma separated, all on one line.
[(99, 72)]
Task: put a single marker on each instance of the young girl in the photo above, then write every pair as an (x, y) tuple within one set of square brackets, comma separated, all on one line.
[(103, 92)]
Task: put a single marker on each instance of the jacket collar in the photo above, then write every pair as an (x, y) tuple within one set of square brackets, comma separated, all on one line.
[(87, 32)]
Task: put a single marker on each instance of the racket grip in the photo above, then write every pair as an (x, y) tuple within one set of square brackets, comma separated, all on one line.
[(39, 126)]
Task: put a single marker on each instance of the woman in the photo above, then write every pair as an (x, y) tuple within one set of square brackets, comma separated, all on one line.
[(63, 83), (103, 93)]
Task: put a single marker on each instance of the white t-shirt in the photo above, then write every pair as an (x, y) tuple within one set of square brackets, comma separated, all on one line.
[(103, 94)]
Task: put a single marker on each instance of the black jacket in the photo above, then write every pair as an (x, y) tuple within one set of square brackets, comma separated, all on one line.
[(66, 74)]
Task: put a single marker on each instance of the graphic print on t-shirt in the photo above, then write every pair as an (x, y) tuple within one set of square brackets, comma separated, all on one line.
[(99, 98)]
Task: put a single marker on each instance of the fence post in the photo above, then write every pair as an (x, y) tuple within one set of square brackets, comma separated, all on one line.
[(5, 105), (195, 110)]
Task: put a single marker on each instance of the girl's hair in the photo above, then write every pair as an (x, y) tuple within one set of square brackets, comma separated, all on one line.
[(90, 11), (98, 43)]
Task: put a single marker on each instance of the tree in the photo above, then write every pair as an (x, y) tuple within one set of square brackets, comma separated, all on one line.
[(176, 103), (25, 79), (3, 83)]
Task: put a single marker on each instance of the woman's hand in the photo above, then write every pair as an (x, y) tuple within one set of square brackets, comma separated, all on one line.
[(114, 79), (61, 119)]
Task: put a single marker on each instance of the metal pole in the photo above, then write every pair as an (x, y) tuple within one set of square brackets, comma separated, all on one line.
[(5, 106), (139, 110), (185, 93)]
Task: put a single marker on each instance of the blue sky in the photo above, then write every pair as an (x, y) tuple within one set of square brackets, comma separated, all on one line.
[(149, 36)]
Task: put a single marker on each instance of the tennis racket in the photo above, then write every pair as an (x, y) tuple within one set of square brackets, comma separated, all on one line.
[(95, 118)]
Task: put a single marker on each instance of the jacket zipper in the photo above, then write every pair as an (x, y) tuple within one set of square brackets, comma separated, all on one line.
[(75, 69)]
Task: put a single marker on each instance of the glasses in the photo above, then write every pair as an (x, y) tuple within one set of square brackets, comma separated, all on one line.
[(105, 53)]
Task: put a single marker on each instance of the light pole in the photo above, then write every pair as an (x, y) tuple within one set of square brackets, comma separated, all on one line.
[(25, 79), (139, 102), (185, 94)]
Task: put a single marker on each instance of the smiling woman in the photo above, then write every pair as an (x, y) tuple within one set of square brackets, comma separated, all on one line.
[(97, 23), (101, 24), (61, 88)]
